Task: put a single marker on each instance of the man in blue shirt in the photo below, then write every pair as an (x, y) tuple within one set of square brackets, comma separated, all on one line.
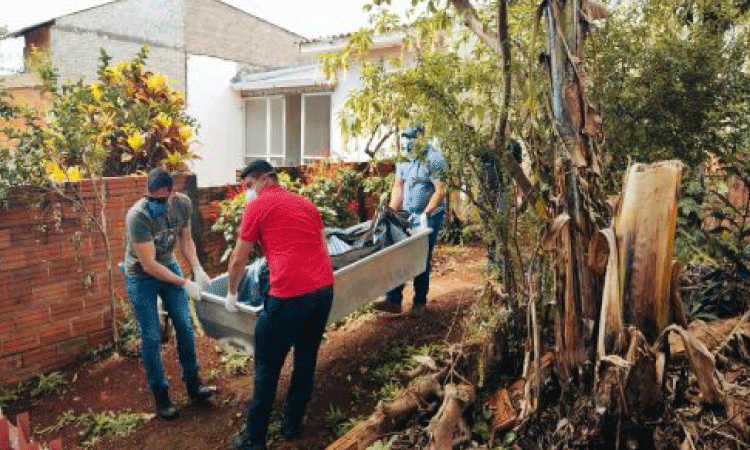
[(419, 189)]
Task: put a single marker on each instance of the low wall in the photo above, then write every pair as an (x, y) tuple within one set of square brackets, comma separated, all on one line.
[(54, 297)]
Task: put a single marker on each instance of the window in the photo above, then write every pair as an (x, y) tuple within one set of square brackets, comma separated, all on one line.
[(264, 130), (316, 127)]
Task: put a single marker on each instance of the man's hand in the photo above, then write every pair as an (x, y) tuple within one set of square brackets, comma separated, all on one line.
[(230, 302), (201, 277), (418, 220), (193, 289)]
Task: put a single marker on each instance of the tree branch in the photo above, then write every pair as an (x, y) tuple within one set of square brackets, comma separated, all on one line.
[(474, 23)]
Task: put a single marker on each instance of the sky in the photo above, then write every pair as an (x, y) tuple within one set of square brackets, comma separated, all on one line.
[(310, 18)]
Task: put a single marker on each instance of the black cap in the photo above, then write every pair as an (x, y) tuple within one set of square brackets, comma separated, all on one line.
[(159, 178), (257, 168)]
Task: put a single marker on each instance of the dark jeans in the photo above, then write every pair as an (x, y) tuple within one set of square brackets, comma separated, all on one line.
[(421, 281), (142, 292), (284, 323)]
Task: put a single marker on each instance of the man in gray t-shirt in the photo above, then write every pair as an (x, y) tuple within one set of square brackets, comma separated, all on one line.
[(419, 189), (155, 224)]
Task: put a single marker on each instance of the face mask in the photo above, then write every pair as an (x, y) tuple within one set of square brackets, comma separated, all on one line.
[(250, 195), (156, 209)]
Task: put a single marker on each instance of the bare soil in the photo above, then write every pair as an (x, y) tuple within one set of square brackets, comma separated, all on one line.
[(118, 384)]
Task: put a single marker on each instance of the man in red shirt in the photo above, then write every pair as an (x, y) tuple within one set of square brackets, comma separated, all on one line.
[(292, 237)]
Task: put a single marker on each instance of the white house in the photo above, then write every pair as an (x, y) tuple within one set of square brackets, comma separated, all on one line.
[(290, 116), (199, 44)]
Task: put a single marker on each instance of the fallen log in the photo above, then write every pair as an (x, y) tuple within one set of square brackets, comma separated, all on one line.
[(387, 417), (448, 427)]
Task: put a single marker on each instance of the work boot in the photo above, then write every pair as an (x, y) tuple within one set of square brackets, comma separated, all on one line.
[(243, 442), (197, 393), (291, 432), (417, 311), (387, 306), (164, 407)]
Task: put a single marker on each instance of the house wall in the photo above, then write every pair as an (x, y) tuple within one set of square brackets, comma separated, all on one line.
[(214, 28), (349, 81), (220, 113), (122, 28), (293, 129)]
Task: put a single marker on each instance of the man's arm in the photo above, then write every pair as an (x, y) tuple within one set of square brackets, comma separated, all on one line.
[(187, 246), (146, 253), (437, 197), (237, 262), (397, 194)]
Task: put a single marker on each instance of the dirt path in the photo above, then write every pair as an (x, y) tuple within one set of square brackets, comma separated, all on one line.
[(344, 381)]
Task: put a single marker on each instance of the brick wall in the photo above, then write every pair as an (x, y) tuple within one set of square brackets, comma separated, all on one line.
[(54, 296), (24, 88), (212, 243)]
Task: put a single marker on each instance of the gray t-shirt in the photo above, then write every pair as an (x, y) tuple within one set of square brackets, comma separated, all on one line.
[(419, 175), (163, 231)]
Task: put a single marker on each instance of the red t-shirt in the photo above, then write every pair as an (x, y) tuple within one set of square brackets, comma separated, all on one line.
[(289, 230)]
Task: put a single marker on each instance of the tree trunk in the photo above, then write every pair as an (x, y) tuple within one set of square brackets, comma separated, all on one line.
[(577, 187), (645, 228)]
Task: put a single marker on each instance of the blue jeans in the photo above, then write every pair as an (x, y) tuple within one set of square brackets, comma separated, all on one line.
[(421, 281), (142, 292), (284, 323)]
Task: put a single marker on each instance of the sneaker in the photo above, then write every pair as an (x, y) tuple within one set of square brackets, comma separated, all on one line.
[(387, 306), (417, 311)]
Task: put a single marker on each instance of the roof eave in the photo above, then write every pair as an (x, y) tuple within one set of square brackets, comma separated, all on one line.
[(246, 86), (389, 40), (22, 32)]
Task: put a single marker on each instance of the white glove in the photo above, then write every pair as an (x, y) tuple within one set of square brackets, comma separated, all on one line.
[(230, 302), (418, 221), (201, 277), (192, 289)]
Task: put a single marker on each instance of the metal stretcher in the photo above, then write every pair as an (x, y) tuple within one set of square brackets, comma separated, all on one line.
[(354, 286)]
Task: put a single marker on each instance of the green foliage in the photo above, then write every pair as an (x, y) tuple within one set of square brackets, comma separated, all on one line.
[(8, 395), (235, 363), (109, 424), (127, 121), (714, 231), (130, 329), (671, 84), (333, 417), (52, 383), (274, 432), (383, 444), (95, 427), (452, 83), (388, 364), (358, 393), (332, 187), (388, 392), (69, 417), (212, 375), (346, 426), (228, 220)]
